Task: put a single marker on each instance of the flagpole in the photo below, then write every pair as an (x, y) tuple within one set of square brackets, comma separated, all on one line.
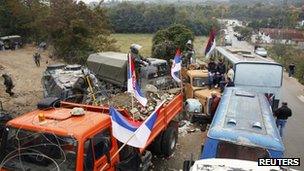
[(181, 78), (117, 152), (132, 104)]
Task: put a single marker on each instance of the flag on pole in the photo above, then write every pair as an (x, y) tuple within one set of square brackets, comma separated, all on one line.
[(176, 66), (133, 86), (211, 44), (126, 132)]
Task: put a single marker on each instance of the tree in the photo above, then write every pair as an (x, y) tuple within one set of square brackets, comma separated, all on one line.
[(77, 30), (246, 32), (166, 41), (25, 18)]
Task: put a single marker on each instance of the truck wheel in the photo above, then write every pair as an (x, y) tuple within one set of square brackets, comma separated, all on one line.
[(155, 147), (169, 141)]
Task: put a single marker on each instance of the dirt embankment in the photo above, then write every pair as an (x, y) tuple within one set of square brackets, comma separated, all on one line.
[(26, 77)]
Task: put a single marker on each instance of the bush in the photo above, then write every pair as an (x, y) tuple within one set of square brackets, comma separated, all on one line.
[(286, 54), (166, 41)]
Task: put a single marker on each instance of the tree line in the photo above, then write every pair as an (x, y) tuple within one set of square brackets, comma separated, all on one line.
[(260, 15), (75, 30), (149, 18)]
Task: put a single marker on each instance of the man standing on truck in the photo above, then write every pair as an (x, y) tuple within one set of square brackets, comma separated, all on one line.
[(282, 114), (139, 61), (189, 54), (8, 82)]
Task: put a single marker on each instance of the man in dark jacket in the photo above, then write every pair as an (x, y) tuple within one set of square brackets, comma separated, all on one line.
[(37, 58), (282, 114), (212, 68), (291, 69), (8, 82), (221, 70)]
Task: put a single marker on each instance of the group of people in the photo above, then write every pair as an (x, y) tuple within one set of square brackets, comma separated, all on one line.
[(219, 75)]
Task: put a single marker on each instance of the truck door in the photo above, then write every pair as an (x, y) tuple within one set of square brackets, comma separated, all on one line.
[(98, 150), (188, 87)]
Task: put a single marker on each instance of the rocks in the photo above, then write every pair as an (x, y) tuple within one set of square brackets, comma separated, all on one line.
[(151, 88), (155, 97)]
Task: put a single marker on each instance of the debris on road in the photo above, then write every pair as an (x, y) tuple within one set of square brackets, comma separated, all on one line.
[(184, 127)]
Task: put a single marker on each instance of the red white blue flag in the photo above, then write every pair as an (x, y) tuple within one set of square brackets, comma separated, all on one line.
[(133, 86), (129, 133), (211, 44), (176, 66)]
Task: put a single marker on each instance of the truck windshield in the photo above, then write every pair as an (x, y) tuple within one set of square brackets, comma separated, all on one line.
[(156, 70), (162, 69), (25, 150), (200, 81), (234, 151)]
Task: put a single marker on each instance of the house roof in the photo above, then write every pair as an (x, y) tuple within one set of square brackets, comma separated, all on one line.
[(290, 34)]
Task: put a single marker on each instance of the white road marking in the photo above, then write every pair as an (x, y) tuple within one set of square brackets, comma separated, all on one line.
[(301, 97)]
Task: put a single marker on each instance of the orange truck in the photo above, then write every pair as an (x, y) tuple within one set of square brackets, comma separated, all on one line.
[(54, 139)]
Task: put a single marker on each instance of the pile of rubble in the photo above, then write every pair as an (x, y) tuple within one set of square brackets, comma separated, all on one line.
[(139, 112)]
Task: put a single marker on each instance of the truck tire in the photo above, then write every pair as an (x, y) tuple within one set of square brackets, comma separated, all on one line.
[(169, 140), (156, 145)]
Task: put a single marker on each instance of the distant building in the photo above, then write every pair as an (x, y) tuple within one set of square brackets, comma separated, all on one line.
[(283, 36), (301, 23)]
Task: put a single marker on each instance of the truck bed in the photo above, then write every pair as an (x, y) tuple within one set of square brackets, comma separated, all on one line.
[(168, 111)]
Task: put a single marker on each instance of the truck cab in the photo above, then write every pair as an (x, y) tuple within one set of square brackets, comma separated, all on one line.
[(60, 141), (156, 74), (63, 139), (196, 89)]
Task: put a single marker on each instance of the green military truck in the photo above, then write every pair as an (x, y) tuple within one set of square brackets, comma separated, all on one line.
[(111, 69)]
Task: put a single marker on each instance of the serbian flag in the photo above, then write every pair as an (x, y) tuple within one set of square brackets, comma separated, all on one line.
[(176, 66), (211, 44), (129, 133), (133, 86)]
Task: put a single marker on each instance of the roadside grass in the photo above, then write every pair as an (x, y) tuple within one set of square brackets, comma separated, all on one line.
[(145, 40)]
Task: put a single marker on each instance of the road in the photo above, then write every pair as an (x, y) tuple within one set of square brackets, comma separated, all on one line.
[(293, 93)]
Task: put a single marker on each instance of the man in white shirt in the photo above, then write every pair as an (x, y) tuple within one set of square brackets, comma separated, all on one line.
[(230, 73)]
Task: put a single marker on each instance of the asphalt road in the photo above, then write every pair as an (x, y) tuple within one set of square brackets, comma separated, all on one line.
[(293, 93)]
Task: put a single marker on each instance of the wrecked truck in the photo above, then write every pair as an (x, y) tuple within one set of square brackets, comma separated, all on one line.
[(59, 139), (111, 69), (73, 83)]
